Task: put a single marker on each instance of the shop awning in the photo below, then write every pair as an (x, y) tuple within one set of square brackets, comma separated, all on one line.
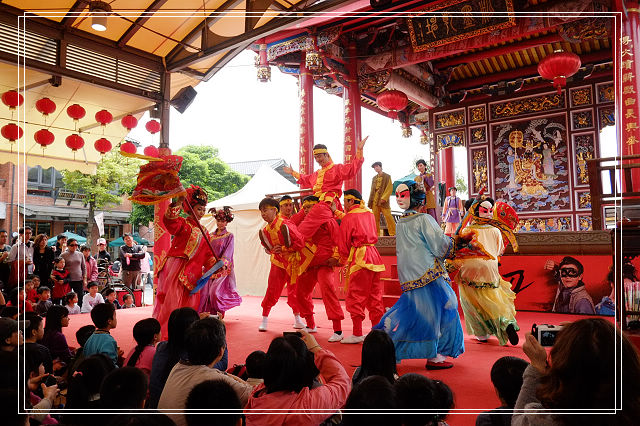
[(32, 212)]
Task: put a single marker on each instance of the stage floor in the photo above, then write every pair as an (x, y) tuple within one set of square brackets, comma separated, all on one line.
[(469, 378)]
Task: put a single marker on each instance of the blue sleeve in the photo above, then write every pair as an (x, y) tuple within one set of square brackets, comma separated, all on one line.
[(223, 364), (439, 244)]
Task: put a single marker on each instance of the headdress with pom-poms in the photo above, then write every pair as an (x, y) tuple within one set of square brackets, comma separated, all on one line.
[(195, 196), (222, 214)]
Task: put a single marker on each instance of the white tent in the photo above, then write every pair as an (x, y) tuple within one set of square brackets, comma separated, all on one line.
[(251, 263)]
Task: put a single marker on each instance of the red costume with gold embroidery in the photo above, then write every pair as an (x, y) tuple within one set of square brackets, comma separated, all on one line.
[(364, 265), (327, 182), (287, 265), (187, 260)]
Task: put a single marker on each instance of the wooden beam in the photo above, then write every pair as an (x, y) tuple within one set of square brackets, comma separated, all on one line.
[(139, 23), (74, 13)]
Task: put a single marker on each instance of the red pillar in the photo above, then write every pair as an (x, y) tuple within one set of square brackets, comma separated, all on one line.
[(305, 92), (446, 168), (628, 83), (352, 120)]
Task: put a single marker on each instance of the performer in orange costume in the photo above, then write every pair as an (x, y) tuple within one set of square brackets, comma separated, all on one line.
[(322, 243), (364, 264), (283, 242), (187, 259)]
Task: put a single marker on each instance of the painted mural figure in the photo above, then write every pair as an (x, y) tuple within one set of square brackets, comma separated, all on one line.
[(528, 166), (486, 298), (547, 161), (424, 322), (511, 157)]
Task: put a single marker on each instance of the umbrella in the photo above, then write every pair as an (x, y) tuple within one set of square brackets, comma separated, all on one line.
[(136, 237), (53, 240), (408, 178)]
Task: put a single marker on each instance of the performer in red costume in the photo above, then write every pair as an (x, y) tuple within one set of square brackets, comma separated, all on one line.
[(364, 264), (323, 244), (187, 259), (281, 239)]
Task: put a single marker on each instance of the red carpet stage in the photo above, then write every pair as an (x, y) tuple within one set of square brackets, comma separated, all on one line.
[(469, 378)]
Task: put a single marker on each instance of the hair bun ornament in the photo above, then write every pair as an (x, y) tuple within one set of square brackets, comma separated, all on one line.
[(222, 214), (197, 195)]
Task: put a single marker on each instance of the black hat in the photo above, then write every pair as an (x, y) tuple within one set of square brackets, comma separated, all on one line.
[(377, 163)]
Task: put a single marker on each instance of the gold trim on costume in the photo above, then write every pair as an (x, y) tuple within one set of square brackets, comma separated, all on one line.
[(430, 275)]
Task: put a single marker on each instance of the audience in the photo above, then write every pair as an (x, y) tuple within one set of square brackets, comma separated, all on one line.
[(506, 376), (82, 335), (124, 387), (71, 303), (169, 352), (127, 301), (57, 318), (91, 299), (32, 334), (291, 366), (146, 333), (61, 280), (254, 365), (90, 263), (31, 290), (378, 358), (368, 395), (205, 345), (44, 302), (417, 392), (104, 318), (112, 297), (582, 373), (38, 407), (84, 387), (74, 263), (213, 395), (10, 334)]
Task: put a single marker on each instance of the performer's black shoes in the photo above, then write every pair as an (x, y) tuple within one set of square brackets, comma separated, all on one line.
[(512, 335), (438, 365)]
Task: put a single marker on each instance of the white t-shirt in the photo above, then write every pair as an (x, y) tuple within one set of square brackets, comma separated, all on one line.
[(89, 302)]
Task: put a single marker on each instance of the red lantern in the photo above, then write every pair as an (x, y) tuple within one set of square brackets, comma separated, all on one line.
[(74, 142), (151, 151), (129, 122), (45, 106), (44, 138), (76, 112), (559, 66), (12, 132), (153, 126), (392, 101), (12, 99), (128, 147), (102, 145), (104, 117)]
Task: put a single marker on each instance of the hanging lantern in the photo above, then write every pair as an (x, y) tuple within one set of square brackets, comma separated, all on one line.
[(406, 131), (128, 147), (151, 151), (104, 117), (74, 142), (129, 122), (152, 126), (559, 66), (392, 101), (102, 145), (44, 138), (45, 106), (12, 99), (76, 112), (12, 132)]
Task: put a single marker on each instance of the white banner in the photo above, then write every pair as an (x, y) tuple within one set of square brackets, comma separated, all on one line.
[(100, 222)]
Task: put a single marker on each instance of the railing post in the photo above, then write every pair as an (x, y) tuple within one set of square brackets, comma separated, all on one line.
[(595, 190)]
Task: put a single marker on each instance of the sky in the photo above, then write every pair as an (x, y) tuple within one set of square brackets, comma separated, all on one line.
[(249, 120)]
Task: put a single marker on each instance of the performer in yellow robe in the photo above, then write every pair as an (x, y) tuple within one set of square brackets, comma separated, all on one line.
[(381, 188)]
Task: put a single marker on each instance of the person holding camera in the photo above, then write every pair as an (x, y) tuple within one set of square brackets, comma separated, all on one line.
[(577, 374), (572, 296)]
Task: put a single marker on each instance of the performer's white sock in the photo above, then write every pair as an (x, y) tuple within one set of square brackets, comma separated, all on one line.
[(438, 358), (263, 324)]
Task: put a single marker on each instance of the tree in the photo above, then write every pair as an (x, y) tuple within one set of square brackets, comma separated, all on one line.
[(203, 167), (115, 176)]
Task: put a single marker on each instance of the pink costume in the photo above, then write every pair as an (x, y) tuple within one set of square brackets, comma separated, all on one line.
[(187, 260), (219, 294)]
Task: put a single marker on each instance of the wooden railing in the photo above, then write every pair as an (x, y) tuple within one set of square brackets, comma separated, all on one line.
[(619, 176)]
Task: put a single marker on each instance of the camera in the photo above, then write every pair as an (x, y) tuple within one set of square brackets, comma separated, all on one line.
[(545, 334)]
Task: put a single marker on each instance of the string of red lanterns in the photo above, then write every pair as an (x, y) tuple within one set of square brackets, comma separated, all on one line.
[(392, 101), (153, 126)]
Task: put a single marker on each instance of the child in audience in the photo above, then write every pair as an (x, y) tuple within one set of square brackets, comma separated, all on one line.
[(213, 395), (10, 335), (146, 332), (71, 303), (57, 318), (368, 395), (82, 335), (127, 301), (255, 367), (61, 280), (30, 289), (378, 358), (103, 316), (111, 297), (16, 300), (506, 376), (43, 305), (92, 298), (417, 392)]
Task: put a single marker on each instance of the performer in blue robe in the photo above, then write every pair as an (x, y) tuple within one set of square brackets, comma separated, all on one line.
[(424, 323)]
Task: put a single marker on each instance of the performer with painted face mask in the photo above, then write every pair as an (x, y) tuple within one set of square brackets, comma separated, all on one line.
[(424, 322), (487, 300)]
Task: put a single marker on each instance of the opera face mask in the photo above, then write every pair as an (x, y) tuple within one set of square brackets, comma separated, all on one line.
[(485, 210), (403, 196)]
